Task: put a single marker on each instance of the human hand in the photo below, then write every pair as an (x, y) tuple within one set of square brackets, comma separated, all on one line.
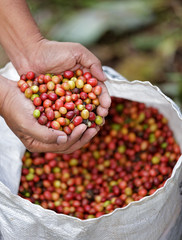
[(55, 57), (17, 112), (29, 51)]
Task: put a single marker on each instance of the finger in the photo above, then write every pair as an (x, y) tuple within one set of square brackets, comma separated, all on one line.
[(90, 61), (38, 146), (76, 134), (103, 112), (102, 122), (96, 70), (46, 135), (104, 98), (87, 136)]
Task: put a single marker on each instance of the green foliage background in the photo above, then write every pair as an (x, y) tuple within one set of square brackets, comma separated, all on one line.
[(152, 52)]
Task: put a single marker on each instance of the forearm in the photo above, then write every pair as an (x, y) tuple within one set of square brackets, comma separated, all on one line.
[(19, 32), (4, 83)]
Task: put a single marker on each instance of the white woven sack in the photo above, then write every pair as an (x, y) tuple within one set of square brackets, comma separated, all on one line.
[(156, 217)]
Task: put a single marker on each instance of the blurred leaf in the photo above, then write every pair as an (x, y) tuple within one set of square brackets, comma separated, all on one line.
[(167, 48), (142, 67), (174, 77), (146, 42), (169, 44), (173, 86), (170, 89), (89, 25), (151, 40)]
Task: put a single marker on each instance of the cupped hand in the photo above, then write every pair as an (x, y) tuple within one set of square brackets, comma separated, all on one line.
[(53, 57), (17, 112), (56, 57)]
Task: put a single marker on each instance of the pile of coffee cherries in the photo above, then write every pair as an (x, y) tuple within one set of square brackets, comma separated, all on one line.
[(63, 101), (132, 156)]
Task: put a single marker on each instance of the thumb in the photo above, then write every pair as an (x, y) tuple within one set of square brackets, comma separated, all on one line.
[(47, 135), (96, 70), (88, 60)]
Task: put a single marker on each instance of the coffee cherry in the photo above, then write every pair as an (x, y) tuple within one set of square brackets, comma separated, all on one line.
[(50, 115), (79, 72), (67, 130), (30, 75), (52, 96), (98, 120), (92, 81), (61, 121), (71, 85), (68, 74), (55, 79), (63, 110), (35, 88), (23, 87), (40, 108), (80, 107), (69, 105), (42, 119), (96, 102), (70, 114), (20, 82), (89, 107), (58, 103), (37, 101), (85, 114), (43, 96), (60, 91), (78, 102), (41, 79), (83, 95), (28, 93), (34, 96), (30, 83), (36, 113), (97, 90), (87, 75), (92, 95), (55, 125), (87, 88), (43, 88), (71, 126), (57, 114), (47, 78), (65, 86), (79, 83), (77, 120), (50, 85), (69, 96), (92, 116), (23, 77)]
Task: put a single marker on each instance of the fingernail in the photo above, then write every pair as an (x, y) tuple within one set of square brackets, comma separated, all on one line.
[(61, 139)]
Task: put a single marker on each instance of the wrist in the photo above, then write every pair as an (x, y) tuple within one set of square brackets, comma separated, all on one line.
[(24, 57), (21, 54), (19, 33)]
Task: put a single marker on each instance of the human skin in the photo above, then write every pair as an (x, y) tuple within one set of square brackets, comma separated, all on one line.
[(28, 50)]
